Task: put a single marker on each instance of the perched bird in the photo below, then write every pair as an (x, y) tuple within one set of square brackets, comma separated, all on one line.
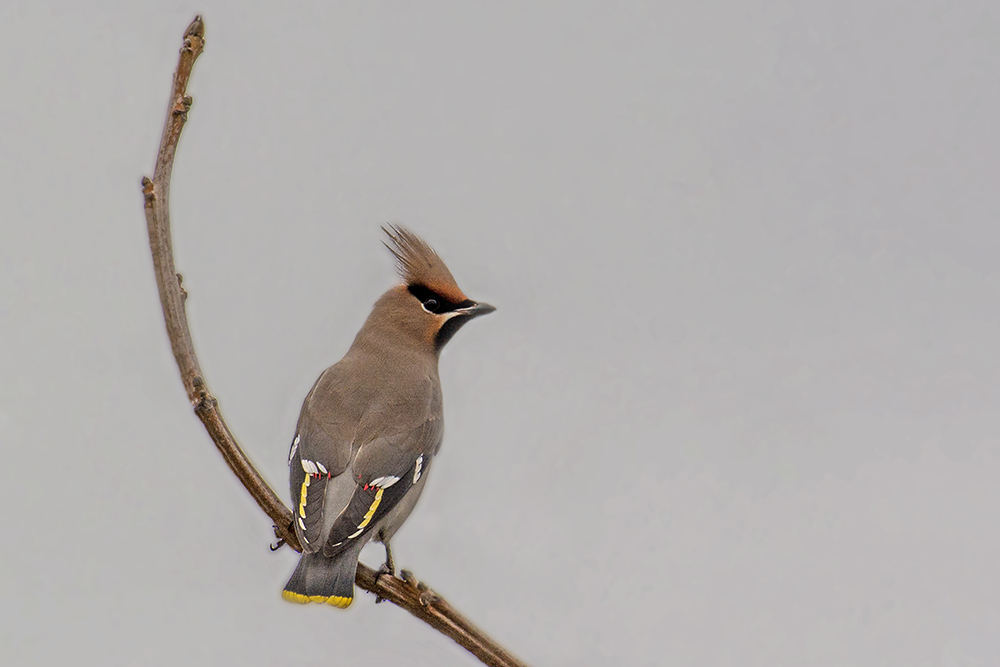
[(372, 424)]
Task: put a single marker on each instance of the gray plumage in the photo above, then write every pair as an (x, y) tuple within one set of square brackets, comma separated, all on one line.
[(372, 424)]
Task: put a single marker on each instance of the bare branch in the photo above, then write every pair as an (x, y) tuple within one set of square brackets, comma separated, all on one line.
[(407, 593), (172, 295)]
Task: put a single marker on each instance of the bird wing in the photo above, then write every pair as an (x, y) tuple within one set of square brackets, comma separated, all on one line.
[(319, 456), (384, 470), (309, 474)]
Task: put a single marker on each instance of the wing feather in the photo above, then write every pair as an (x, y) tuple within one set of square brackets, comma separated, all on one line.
[(368, 505)]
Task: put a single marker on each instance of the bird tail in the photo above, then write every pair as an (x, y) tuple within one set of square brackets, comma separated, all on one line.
[(319, 578)]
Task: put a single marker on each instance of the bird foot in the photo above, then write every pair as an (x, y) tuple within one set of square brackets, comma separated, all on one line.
[(383, 570), (289, 530)]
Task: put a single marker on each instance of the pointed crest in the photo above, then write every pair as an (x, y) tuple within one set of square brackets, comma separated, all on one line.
[(418, 264)]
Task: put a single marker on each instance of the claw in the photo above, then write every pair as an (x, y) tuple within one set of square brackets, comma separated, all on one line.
[(281, 543), (382, 571)]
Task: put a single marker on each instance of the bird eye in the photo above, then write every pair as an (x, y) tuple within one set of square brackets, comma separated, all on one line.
[(431, 301)]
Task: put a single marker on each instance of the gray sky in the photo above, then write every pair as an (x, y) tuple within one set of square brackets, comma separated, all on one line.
[(738, 405)]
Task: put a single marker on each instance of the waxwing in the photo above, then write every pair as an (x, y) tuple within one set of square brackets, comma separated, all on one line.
[(372, 424)]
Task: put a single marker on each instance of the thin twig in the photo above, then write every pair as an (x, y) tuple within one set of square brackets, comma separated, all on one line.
[(416, 598)]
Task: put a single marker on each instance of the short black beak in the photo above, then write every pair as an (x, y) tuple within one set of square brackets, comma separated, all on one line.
[(476, 310), (457, 318)]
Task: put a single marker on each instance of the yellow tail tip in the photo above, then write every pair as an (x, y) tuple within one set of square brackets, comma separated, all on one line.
[(335, 600), (338, 601)]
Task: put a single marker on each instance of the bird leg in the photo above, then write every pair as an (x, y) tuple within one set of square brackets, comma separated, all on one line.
[(388, 567)]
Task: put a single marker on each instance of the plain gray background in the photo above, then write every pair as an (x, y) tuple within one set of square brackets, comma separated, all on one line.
[(738, 405)]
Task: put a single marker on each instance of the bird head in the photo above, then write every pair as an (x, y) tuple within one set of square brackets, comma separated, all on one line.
[(429, 307)]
